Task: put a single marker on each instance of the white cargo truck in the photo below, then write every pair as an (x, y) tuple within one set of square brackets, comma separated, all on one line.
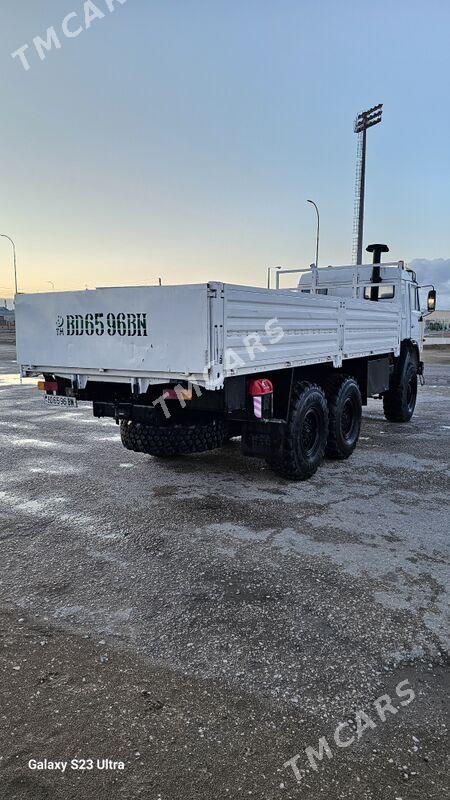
[(182, 369)]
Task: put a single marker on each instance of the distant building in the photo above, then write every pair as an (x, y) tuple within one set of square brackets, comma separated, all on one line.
[(437, 322), (7, 315)]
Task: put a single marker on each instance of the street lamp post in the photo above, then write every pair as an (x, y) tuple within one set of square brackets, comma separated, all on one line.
[(5, 236), (318, 230)]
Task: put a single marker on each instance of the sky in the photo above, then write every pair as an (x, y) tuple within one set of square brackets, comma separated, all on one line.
[(181, 138)]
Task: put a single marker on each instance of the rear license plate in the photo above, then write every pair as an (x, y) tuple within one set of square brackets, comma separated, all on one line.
[(61, 402)]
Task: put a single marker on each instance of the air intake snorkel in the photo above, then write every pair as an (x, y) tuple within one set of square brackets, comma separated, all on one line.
[(377, 250)]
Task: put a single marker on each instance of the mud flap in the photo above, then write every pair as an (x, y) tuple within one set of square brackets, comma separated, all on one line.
[(263, 438)]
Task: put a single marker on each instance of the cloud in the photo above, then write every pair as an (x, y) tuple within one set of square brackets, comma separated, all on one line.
[(435, 271)]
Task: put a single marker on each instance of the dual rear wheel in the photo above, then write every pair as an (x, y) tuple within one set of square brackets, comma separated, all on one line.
[(323, 421)]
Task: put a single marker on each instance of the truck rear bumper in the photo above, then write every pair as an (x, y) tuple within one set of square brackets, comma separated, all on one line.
[(121, 410)]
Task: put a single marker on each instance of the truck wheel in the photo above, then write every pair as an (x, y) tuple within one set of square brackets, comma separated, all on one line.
[(171, 438), (400, 401), (345, 411), (306, 434)]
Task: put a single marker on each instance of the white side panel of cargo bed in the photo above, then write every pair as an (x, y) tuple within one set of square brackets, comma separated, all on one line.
[(148, 331), (371, 327), (273, 329)]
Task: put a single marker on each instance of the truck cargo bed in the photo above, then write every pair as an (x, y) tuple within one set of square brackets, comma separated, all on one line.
[(203, 332)]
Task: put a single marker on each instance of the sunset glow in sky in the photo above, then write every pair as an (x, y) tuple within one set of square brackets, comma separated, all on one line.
[(182, 138)]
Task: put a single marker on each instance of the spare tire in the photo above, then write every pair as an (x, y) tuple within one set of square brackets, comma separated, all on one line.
[(128, 435), (168, 438)]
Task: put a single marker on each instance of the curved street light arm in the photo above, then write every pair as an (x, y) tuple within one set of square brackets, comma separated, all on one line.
[(5, 236), (318, 230)]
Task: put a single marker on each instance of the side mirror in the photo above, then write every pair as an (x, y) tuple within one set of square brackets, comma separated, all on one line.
[(431, 301)]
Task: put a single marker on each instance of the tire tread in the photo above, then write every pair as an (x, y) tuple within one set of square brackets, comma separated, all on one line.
[(394, 401), (285, 464), (333, 388), (168, 439)]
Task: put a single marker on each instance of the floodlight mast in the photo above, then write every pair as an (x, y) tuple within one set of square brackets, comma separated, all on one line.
[(364, 121)]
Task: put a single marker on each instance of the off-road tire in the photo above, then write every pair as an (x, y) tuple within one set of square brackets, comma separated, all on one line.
[(304, 443), (400, 401), (344, 412), (128, 435), (173, 437)]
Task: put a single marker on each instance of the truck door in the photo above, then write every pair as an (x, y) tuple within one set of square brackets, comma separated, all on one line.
[(415, 314)]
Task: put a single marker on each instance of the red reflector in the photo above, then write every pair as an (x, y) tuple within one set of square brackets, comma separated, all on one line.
[(170, 394), (50, 386), (260, 387)]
